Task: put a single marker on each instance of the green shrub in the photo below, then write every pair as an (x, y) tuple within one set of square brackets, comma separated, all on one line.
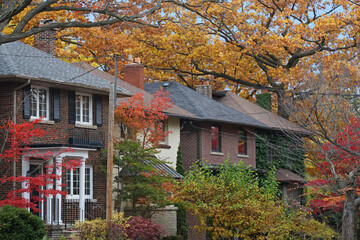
[(18, 223), (98, 228)]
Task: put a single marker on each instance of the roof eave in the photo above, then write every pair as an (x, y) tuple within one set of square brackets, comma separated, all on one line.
[(74, 86)]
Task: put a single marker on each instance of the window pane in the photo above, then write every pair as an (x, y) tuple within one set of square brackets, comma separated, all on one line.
[(85, 109), (68, 182), (241, 142), (215, 139), (87, 181), (76, 181), (42, 103), (78, 110), (33, 100)]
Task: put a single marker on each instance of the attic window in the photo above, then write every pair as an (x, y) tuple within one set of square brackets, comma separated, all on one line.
[(215, 138)]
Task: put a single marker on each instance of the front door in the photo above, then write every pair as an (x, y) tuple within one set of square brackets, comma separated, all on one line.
[(35, 196)]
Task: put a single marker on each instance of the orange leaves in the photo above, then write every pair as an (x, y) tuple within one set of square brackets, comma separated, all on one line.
[(145, 118)]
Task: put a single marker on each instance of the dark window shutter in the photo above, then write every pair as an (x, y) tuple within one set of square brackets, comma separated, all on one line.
[(55, 104), (71, 106), (27, 101), (98, 110)]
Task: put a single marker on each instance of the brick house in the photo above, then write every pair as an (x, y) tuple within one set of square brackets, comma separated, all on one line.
[(227, 127), (74, 104)]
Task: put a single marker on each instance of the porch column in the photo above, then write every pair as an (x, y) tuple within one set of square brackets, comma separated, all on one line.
[(49, 198), (58, 188), (82, 191), (25, 168)]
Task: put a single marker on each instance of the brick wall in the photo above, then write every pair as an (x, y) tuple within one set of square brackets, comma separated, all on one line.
[(188, 141), (229, 141), (229, 145)]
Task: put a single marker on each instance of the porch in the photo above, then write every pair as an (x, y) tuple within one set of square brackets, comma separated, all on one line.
[(80, 203)]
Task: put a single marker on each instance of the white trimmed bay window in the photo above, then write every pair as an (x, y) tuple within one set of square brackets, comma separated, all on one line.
[(72, 181), (83, 108), (39, 100)]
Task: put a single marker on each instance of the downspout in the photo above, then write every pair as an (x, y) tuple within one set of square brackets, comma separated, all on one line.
[(14, 121)]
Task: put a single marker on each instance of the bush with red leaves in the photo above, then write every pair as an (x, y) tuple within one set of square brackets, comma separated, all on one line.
[(143, 229)]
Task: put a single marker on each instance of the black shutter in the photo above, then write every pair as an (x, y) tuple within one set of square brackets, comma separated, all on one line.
[(98, 110), (72, 107), (27, 101), (55, 104)]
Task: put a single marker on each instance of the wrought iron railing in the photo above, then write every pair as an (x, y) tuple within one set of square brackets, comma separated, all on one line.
[(86, 138), (71, 211)]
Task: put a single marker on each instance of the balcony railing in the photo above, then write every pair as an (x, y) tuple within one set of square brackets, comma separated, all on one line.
[(87, 138)]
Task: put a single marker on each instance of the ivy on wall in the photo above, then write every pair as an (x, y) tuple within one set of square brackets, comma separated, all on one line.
[(279, 151), (274, 149)]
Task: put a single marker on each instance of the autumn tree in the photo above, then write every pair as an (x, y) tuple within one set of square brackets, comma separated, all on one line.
[(233, 203), (14, 148), (143, 178), (327, 107), (244, 45)]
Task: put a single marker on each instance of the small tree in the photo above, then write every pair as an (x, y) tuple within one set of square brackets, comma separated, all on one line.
[(14, 146), (142, 178), (236, 204)]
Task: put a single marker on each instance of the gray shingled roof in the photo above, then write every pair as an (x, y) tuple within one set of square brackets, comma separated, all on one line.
[(161, 167), (21, 60), (203, 107)]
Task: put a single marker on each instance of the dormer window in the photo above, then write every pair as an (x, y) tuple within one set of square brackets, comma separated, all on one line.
[(83, 108), (39, 98)]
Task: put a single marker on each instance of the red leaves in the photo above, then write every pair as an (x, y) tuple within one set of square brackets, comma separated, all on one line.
[(145, 119), (343, 161)]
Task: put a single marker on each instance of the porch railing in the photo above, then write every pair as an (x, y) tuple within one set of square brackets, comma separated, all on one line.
[(70, 211), (86, 138)]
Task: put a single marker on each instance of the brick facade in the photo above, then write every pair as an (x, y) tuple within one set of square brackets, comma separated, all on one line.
[(60, 134), (196, 144)]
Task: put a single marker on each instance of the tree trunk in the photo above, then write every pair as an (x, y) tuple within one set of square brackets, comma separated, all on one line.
[(283, 108), (350, 217)]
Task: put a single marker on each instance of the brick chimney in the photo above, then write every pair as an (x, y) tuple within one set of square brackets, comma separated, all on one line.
[(45, 41), (134, 73), (204, 88)]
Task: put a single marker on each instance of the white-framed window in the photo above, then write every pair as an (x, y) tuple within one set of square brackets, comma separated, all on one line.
[(72, 182), (83, 108), (39, 99)]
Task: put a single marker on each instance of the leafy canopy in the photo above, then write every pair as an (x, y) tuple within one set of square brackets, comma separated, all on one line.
[(235, 203)]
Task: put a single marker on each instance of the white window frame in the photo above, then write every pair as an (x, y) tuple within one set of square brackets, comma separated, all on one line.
[(38, 103), (81, 108), (77, 196)]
